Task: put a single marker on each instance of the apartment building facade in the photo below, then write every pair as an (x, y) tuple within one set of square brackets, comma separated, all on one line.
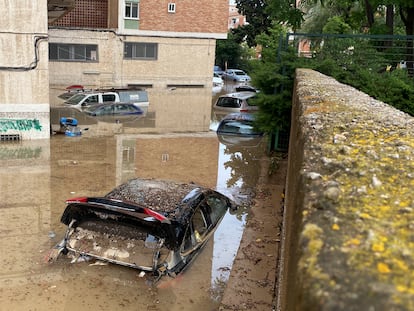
[(235, 19), (24, 79), (143, 43), (99, 43)]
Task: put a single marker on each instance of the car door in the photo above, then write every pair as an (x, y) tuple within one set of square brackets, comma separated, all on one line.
[(196, 232), (205, 218)]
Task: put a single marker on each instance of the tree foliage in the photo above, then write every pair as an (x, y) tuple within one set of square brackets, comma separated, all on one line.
[(273, 74), (337, 25), (258, 20), (285, 12), (228, 52), (269, 22)]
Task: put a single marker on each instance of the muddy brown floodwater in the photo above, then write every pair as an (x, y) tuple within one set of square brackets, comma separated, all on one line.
[(36, 177)]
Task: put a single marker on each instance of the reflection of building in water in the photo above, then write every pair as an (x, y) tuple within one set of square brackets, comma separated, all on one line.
[(238, 174), (82, 166), (177, 157), (125, 159), (224, 249), (181, 110), (25, 212)]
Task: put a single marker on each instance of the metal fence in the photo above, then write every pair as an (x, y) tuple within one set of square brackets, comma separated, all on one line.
[(378, 53), (346, 54)]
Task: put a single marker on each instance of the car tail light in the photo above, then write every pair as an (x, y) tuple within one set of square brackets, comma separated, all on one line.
[(77, 200), (154, 214), (244, 110)]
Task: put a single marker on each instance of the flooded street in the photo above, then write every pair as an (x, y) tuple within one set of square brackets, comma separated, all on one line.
[(172, 142)]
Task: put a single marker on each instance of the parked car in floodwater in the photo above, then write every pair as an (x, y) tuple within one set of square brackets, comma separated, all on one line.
[(236, 75), (156, 226), (218, 70), (238, 129), (236, 102), (85, 99), (246, 88), (217, 80), (121, 111), (239, 124)]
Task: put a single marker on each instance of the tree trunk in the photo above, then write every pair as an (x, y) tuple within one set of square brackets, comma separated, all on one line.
[(407, 16), (370, 13), (389, 21)]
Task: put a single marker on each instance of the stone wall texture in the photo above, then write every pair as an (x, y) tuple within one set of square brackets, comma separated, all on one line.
[(348, 241)]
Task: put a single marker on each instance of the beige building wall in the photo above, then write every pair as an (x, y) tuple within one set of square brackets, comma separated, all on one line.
[(24, 79), (181, 61)]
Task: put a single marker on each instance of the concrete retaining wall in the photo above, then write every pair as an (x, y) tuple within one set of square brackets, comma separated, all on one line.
[(348, 241)]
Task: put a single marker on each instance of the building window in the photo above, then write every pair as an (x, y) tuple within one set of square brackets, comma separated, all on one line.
[(171, 7), (131, 10), (134, 50), (73, 52)]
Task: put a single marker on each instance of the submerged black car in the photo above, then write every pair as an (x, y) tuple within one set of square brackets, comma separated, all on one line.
[(152, 225)]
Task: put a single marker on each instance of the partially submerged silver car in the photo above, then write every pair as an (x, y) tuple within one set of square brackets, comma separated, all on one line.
[(152, 225)]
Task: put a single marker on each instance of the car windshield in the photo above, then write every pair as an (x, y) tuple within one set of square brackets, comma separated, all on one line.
[(228, 102), (75, 99)]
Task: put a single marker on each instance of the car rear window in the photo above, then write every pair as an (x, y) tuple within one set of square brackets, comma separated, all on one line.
[(236, 127), (228, 102)]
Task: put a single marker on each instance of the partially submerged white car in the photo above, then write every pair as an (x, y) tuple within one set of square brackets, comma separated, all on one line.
[(81, 100), (217, 80)]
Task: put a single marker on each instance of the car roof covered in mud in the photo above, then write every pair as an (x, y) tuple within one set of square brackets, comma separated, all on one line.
[(159, 195)]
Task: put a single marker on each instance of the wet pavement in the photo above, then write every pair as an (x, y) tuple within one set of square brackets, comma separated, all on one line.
[(36, 177)]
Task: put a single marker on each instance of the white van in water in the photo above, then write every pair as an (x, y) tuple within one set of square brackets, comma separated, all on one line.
[(84, 99)]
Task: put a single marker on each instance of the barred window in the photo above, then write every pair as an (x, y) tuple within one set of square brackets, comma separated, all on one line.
[(73, 52), (140, 50), (131, 9)]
